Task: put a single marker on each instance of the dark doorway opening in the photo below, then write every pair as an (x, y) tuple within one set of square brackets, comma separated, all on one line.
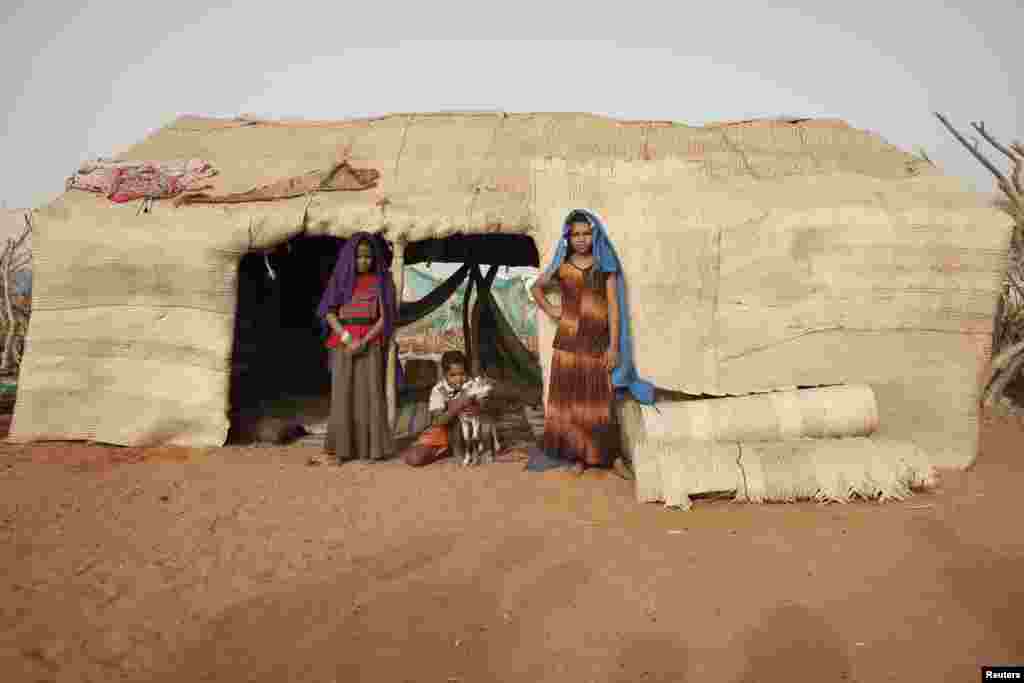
[(280, 384), (279, 363)]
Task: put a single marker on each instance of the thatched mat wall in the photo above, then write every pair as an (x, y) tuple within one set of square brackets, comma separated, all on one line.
[(130, 339), (758, 257), (826, 412), (741, 285)]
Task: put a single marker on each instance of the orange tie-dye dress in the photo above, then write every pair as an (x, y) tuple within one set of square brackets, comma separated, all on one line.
[(578, 420)]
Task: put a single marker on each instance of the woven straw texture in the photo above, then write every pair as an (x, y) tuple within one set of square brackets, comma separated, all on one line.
[(759, 257), (774, 416), (822, 470)]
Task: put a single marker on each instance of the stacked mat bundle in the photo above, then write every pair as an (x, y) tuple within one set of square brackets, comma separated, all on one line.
[(808, 444)]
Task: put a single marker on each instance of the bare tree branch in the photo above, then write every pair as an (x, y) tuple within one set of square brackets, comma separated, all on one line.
[(1004, 184), (1016, 159), (1008, 331), (1013, 283), (1002, 380), (1006, 355), (999, 327), (5, 256), (5, 272), (24, 233), (16, 351)]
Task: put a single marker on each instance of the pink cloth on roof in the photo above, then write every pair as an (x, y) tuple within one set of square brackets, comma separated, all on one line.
[(123, 181)]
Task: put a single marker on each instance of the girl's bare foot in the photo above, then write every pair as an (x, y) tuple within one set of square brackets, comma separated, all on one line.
[(579, 468)]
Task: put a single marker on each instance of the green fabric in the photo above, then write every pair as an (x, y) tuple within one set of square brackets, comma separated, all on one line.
[(410, 312), (509, 349), (512, 295), (512, 354)]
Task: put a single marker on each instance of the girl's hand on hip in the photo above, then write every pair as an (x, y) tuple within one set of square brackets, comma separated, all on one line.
[(611, 359)]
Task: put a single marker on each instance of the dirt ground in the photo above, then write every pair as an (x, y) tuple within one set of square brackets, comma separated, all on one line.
[(246, 565)]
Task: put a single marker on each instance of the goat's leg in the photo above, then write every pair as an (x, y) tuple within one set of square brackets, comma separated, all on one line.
[(467, 442), (475, 425), (486, 441), (483, 437)]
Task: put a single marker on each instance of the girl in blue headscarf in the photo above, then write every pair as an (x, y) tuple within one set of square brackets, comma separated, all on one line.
[(592, 353)]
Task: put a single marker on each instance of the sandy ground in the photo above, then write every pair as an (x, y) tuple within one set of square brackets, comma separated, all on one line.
[(245, 565)]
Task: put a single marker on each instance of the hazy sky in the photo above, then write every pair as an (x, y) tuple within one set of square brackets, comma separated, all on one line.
[(78, 84)]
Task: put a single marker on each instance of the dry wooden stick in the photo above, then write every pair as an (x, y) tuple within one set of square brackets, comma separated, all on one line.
[(1017, 288), (3, 260), (6, 274), (9, 267), (1004, 357), (999, 324), (1016, 159), (1017, 147), (963, 141), (24, 233), (999, 382), (1001, 179), (1008, 363), (16, 349)]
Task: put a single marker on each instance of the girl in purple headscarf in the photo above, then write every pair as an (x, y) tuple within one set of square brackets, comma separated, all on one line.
[(359, 307)]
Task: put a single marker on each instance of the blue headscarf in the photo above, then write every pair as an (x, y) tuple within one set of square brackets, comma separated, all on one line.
[(624, 376)]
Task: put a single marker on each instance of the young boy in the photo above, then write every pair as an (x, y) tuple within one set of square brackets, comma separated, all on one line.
[(443, 433)]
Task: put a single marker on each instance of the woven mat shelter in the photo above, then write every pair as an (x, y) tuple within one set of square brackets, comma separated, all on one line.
[(759, 256)]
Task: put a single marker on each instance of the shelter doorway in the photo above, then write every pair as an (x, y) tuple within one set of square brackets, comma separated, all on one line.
[(280, 383), (464, 305)]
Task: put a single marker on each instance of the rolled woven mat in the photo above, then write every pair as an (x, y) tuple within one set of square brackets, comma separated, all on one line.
[(672, 471), (846, 410), (833, 470), (824, 470)]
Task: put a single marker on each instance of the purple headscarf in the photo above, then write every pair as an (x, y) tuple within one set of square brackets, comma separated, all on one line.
[(343, 280)]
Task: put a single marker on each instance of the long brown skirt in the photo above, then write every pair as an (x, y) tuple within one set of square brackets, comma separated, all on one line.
[(578, 421), (358, 426)]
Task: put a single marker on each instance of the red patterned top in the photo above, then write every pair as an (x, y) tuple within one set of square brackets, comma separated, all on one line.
[(361, 312)]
